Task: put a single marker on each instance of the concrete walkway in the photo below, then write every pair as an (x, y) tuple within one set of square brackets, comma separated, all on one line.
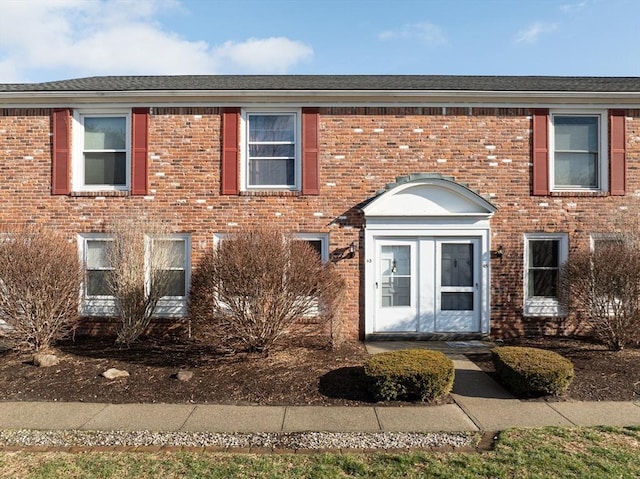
[(480, 404)]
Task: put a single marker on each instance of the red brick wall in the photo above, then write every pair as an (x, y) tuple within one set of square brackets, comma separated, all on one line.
[(361, 150)]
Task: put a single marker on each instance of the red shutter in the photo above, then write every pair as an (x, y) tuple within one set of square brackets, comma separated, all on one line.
[(541, 152), (139, 151), (310, 151), (61, 160), (229, 176), (617, 153)]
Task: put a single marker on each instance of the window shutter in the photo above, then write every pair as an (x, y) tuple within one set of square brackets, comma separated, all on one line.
[(541, 152), (61, 160), (617, 153), (229, 176), (139, 151), (310, 151)]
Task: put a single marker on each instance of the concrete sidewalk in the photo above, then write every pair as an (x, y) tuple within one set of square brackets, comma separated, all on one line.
[(480, 404)]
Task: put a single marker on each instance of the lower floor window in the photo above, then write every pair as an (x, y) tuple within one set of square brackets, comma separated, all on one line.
[(174, 250), (544, 255), (319, 242), (174, 253), (97, 267)]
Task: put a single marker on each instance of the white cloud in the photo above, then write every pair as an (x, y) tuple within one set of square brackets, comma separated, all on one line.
[(533, 32), (573, 7), (423, 31), (120, 37), (276, 54)]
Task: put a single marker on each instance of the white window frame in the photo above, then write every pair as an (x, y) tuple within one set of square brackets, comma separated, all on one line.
[(594, 237), (324, 242), (173, 306), (322, 237), (603, 142), (78, 163), (538, 305), (167, 307), (244, 150), (93, 305)]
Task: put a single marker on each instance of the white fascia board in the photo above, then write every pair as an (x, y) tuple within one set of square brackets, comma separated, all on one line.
[(450, 98)]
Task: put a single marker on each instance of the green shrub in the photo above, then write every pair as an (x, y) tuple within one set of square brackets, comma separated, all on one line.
[(409, 374), (532, 371)]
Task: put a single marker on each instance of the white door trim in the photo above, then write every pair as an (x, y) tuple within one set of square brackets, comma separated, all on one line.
[(424, 314), (427, 205)]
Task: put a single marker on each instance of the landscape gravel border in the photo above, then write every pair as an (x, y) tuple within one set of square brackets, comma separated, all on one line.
[(294, 442)]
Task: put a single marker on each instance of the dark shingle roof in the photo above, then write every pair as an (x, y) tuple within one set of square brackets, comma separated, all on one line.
[(334, 82)]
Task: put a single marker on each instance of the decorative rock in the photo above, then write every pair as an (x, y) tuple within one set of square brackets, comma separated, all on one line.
[(268, 440), (113, 373), (184, 375), (43, 360)]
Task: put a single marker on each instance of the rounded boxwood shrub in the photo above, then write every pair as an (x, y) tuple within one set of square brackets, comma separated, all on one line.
[(532, 371), (409, 374)]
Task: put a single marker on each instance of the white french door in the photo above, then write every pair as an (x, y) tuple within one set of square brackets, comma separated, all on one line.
[(396, 286), (427, 284)]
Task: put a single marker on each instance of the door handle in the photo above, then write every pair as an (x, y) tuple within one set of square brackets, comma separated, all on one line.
[(376, 285)]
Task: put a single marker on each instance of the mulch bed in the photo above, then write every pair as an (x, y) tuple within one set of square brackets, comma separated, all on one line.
[(600, 374), (305, 373)]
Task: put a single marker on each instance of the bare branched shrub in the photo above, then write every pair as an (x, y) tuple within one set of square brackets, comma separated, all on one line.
[(140, 275), (40, 279), (258, 283), (604, 285)]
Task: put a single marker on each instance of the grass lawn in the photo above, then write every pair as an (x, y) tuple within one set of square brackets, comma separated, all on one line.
[(519, 453)]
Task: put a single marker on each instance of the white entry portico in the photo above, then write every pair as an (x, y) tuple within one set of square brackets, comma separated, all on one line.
[(427, 259)]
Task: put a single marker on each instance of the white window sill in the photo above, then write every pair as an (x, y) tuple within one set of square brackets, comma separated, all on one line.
[(95, 193), (106, 307), (543, 307)]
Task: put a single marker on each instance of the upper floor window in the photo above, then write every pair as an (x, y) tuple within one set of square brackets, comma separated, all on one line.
[(102, 151), (271, 150), (579, 160)]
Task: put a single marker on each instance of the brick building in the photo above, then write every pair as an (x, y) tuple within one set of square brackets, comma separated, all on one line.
[(447, 203)]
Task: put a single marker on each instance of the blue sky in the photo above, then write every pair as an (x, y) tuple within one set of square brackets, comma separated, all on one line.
[(43, 40)]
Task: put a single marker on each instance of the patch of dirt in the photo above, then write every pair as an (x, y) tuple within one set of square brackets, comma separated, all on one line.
[(296, 375), (305, 373), (600, 374)]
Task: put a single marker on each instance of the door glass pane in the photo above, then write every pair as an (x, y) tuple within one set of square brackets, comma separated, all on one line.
[(456, 302), (396, 276), (457, 264)]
